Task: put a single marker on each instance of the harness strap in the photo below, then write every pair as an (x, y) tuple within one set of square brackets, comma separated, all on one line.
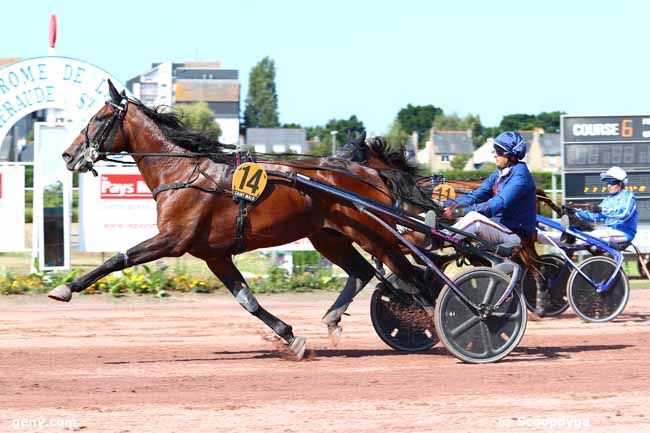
[(168, 186), (240, 225)]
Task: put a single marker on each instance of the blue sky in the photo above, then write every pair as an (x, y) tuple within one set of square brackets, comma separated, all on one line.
[(371, 58)]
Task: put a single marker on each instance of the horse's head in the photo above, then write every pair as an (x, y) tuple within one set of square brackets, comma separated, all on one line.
[(100, 134), (355, 150)]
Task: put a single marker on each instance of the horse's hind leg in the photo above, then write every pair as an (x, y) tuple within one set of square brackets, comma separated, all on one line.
[(339, 250), (226, 271)]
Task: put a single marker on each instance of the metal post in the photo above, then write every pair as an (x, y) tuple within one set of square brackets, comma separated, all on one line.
[(554, 191), (333, 141)]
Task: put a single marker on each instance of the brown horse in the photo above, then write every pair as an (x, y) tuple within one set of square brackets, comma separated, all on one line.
[(190, 178)]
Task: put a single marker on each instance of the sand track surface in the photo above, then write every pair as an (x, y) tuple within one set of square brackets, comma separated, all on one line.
[(200, 363)]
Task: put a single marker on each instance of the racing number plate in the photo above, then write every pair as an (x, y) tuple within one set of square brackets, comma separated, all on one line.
[(249, 181), (443, 192)]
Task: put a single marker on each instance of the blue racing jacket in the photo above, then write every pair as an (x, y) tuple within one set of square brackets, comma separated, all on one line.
[(618, 211), (509, 199)]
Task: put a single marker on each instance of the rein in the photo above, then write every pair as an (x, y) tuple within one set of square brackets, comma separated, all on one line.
[(92, 153)]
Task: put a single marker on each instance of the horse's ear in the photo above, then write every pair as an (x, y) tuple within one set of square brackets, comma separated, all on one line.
[(115, 95)]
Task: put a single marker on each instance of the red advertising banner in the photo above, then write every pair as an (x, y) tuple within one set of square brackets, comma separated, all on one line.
[(123, 186)]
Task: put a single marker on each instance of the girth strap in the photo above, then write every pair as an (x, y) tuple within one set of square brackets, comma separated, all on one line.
[(240, 225), (166, 186)]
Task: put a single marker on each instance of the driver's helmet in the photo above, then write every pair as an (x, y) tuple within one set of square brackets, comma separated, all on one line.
[(511, 143), (615, 173)]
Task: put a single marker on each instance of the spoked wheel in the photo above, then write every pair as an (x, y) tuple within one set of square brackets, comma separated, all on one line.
[(407, 328), (461, 329), (590, 305), (555, 273)]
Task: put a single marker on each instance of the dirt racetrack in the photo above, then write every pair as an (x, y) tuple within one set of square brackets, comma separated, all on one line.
[(200, 363)]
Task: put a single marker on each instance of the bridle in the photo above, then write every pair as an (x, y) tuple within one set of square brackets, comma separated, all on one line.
[(92, 147)]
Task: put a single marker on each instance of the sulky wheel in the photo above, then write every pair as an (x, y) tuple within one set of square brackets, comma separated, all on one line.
[(461, 329), (555, 273), (407, 328), (590, 305)]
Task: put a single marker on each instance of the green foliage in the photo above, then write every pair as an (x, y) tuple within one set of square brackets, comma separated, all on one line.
[(542, 178), (550, 122), (418, 118), (459, 161), (314, 132), (323, 133), (200, 118), (262, 100), (396, 136), (53, 195), (29, 176), (291, 125), (278, 280), (455, 174), (452, 122), (160, 281), (305, 260)]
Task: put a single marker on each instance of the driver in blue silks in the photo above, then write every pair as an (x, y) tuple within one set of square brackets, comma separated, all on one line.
[(503, 209), (617, 211)]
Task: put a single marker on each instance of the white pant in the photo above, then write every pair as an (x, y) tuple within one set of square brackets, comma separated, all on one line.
[(486, 229), (606, 234)]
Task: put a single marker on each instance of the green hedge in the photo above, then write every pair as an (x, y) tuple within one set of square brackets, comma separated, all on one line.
[(542, 178), (159, 281)]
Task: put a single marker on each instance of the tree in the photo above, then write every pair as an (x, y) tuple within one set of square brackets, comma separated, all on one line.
[(262, 100), (550, 121), (518, 122), (396, 136), (314, 132), (459, 161), (291, 125), (418, 118), (341, 126), (452, 122), (200, 118)]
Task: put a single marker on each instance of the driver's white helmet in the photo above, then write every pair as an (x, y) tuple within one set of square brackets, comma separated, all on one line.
[(615, 173)]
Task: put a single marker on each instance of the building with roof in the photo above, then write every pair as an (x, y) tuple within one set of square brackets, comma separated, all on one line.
[(443, 146), (543, 152), (170, 83), (277, 140)]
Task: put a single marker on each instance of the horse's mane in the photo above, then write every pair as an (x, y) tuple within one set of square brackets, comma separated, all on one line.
[(173, 128), (394, 157), (404, 186), (400, 177)]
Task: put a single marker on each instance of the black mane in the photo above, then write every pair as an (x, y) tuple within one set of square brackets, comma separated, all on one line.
[(173, 128), (394, 157)]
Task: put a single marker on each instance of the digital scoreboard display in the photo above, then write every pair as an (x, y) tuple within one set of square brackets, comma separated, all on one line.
[(592, 144), (590, 185)]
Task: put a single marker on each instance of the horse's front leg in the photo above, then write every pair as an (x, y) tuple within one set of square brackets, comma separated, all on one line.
[(339, 250), (227, 272), (161, 245)]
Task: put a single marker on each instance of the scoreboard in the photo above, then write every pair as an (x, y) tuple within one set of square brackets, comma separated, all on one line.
[(592, 144)]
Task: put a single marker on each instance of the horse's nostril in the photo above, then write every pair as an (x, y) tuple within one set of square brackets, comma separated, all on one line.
[(66, 157)]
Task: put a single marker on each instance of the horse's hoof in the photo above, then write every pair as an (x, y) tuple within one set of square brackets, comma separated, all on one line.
[(297, 347), (62, 293), (334, 332)]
